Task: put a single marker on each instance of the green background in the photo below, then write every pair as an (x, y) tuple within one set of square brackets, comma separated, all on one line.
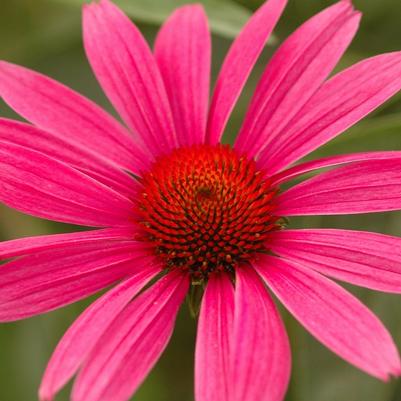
[(45, 35)]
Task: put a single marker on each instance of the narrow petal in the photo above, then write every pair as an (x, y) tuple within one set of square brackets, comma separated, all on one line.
[(238, 65), (260, 352), (39, 185), (212, 369), (31, 245), (183, 53), (125, 67), (69, 151), (56, 108), (294, 74), (47, 280), (340, 103), (331, 161), (82, 336), (367, 186), (333, 316), (362, 258), (131, 346)]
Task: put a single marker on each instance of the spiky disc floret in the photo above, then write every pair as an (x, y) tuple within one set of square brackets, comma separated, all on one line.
[(206, 209)]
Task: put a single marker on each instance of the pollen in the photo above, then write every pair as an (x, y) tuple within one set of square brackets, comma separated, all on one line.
[(206, 209)]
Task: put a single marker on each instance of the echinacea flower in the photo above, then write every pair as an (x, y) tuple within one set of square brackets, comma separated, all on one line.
[(174, 208)]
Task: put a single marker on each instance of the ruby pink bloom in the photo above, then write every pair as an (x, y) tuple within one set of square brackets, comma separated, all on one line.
[(175, 209)]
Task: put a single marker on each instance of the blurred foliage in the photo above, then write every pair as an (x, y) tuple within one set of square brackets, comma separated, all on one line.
[(45, 35), (226, 17)]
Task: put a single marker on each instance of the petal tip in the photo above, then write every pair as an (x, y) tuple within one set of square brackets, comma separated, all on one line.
[(91, 3), (389, 375), (107, 4), (45, 394), (95, 5), (190, 9), (392, 372), (88, 7), (396, 370)]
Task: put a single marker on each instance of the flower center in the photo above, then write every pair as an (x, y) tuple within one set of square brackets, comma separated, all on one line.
[(206, 209)]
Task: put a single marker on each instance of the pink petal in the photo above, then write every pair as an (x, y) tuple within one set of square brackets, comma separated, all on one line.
[(367, 186), (125, 354), (82, 336), (339, 104), (260, 352), (331, 161), (294, 74), (56, 108), (31, 245), (69, 151), (183, 53), (39, 185), (362, 258), (238, 65), (212, 369), (333, 316), (50, 279), (127, 71)]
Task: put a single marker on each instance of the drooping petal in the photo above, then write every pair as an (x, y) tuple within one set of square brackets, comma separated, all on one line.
[(238, 65), (367, 186), (183, 53), (69, 151), (367, 259), (39, 185), (294, 74), (260, 352), (340, 103), (31, 245), (82, 336), (330, 161), (127, 71), (56, 108), (212, 369), (333, 316), (125, 354), (47, 280)]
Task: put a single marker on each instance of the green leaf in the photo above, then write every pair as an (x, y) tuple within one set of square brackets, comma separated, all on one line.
[(226, 17)]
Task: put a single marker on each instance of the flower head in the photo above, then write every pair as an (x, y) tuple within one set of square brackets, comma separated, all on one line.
[(206, 209), (174, 208)]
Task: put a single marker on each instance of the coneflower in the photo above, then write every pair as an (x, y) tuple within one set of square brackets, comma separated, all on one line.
[(174, 208)]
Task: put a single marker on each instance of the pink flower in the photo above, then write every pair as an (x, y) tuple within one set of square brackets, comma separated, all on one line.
[(176, 209)]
